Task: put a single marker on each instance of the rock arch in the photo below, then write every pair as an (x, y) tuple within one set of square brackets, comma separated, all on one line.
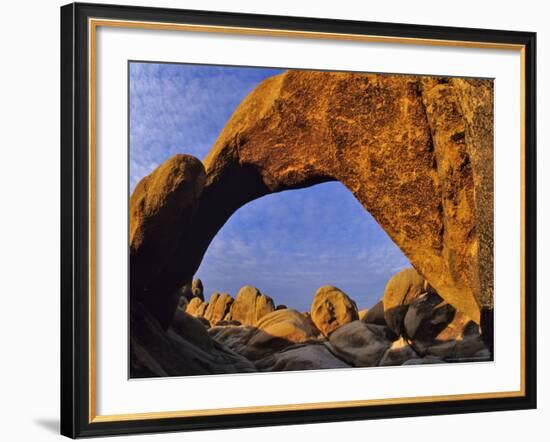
[(415, 151)]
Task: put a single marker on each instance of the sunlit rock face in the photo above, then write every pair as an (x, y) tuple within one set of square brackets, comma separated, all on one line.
[(331, 308), (416, 152)]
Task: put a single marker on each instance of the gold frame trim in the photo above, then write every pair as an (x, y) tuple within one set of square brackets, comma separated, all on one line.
[(93, 24)]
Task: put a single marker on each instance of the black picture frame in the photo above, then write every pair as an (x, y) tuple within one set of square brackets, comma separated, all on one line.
[(75, 218)]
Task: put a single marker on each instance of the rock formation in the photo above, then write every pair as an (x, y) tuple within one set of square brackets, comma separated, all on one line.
[(301, 357), (272, 333), (198, 342), (415, 151), (218, 307), (427, 316), (399, 353), (196, 307), (250, 305), (402, 289), (460, 327), (162, 210), (197, 289), (332, 308), (375, 315), (461, 350), (184, 349), (288, 324), (360, 344)]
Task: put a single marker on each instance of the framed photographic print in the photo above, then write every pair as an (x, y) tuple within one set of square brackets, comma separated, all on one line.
[(275, 220)]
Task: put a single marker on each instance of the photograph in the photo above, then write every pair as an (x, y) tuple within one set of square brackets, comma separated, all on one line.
[(292, 219), (279, 220), (274, 221)]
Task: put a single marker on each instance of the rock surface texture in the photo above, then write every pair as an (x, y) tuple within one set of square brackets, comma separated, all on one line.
[(332, 308), (184, 349), (218, 307), (273, 332), (162, 210), (375, 314), (360, 344), (301, 357), (402, 289), (197, 289), (427, 317), (416, 152), (196, 307), (250, 306)]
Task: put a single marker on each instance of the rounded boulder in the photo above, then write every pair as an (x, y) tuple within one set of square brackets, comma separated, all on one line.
[(331, 309)]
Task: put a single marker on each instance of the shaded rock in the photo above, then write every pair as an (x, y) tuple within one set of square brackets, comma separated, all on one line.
[(360, 344), (332, 308), (307, 317), (203, 321), (281, 307), (301, 357), (234, 337), (375, 315), (197, 289), (227, 323), (362, 313), (184, 349), (483, 355), (182, 303), (424, 361), (273, 332), (487, 327), (460, 327), (429, 289), (399, 352), (402, 289), (196, 307), (162, 209), (186, 293), (218, 307), (192, 329), (250, 305), (470, 329), (458, 350), (427, 316), (192, 290), (474, 99)]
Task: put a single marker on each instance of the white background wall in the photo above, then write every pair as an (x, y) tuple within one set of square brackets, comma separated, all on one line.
[(29, 220)]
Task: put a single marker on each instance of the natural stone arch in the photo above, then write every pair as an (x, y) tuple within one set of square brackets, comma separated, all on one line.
[(415, 151)]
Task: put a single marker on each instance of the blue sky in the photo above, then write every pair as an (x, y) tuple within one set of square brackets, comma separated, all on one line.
[(287, 244)]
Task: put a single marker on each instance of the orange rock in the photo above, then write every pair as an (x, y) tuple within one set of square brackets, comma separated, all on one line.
[(218, 307), (162, 208), (196, 307), (403, 145), (401, 290), (250, 306), (332, 308)]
